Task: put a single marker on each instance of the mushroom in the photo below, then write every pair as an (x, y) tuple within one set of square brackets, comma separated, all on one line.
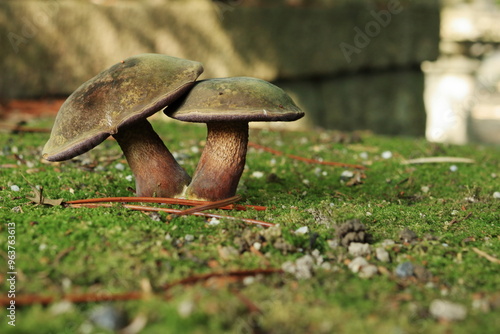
[(117, 102), (227, 105)]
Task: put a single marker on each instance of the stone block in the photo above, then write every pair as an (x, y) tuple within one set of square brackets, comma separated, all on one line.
[(50, 47)]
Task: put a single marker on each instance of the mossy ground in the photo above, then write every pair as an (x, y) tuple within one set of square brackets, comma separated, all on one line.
[(115, 250)]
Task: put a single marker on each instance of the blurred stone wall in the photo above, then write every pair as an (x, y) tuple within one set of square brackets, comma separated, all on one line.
[(351, 64), (462, 92)]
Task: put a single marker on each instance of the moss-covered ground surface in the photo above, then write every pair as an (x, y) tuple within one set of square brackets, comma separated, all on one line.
[(451, 208)]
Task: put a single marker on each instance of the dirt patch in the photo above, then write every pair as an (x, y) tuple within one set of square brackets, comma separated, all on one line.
[(14, 111)]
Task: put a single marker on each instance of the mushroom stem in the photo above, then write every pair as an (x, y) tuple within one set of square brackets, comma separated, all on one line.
[(156, 171), (221, 163)]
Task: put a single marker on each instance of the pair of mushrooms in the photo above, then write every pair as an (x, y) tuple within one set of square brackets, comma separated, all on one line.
[(118, 100)]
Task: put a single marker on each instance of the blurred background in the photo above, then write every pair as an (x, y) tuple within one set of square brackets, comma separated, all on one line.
[(396, 67)]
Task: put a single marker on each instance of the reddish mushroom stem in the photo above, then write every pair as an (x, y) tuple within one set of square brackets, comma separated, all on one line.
[(221, 163), (156, 171)]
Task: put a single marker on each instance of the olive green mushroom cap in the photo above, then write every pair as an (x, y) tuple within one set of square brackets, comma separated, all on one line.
[(234, 99), (132, 89)]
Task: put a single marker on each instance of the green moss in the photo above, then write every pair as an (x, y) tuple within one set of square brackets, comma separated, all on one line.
[(114, 250)]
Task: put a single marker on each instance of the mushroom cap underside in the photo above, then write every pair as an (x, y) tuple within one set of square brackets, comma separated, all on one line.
[(132, 89), (234, 99)]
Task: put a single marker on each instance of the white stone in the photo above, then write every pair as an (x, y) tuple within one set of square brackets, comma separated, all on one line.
[(368, 271), (386, 154), (257, 174), (302, 230), (446, 310), (214, 222), (359, 249), (382, 254), (357, 263), (120, 166)]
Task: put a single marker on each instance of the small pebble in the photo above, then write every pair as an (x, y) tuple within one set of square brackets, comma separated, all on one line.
[(189, 237), (129, 178), (302, 230), (363, 155), (357, 263), (257, 174), (185, 308), (425, 189), (453, 168), (386, 154), (108, 317), (364, 269), (61, 307), (368, 271), (14, 187), (496, 194), (347, 174), (382, 254), (120, 166), (214, 222), (387, 242), (404, 270), (359, 249), (302, 268), (155, 216), (249, 280), (445, 310)]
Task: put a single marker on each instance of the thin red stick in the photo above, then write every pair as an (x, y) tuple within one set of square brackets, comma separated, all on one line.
[(311, 161), (164, 200), (134, 295), (175, 211), (212, 205)]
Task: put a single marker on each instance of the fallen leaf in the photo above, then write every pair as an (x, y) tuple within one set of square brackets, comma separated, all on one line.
[(40, 199)]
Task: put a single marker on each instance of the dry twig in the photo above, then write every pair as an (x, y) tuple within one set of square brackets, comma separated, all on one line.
[(164, 200), (134, 295), (486, 255), (174, 211)]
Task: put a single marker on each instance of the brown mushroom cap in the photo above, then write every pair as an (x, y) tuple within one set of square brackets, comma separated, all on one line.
[(132, 89), (227, 105), (234, 99)]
